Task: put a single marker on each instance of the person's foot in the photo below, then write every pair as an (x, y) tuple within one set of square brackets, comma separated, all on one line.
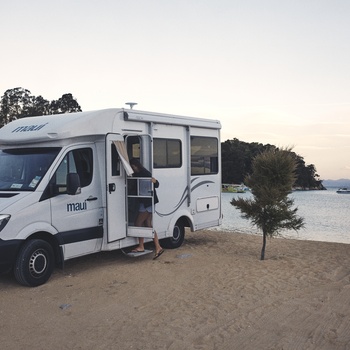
[(158, 254), (138, 250)]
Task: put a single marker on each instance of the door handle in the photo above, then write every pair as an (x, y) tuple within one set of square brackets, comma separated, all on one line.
[(91, 198), (111, 188)]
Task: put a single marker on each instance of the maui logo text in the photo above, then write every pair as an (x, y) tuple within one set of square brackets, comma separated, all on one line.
[(77, 206)]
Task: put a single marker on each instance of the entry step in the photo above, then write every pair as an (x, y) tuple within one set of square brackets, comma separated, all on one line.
[(137, 254)]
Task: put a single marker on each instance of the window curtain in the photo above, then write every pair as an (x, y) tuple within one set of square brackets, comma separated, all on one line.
[(123, 154)]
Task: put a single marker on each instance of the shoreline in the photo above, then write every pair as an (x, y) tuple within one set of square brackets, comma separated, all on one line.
[(213, 292), (280, 236)]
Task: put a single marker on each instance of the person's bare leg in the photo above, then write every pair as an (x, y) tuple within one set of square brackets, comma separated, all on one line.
[(141, 246), (141, 218), (155, 238), (156, 243)]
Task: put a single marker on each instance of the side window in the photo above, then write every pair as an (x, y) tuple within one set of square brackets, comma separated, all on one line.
[(167, 153), (76, 161), (115, 161), (133, 147), (204, 155)]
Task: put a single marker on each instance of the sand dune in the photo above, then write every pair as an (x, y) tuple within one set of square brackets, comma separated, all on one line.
[(212, 293)]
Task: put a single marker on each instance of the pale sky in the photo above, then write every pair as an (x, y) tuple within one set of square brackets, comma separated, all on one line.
[(272, 71)]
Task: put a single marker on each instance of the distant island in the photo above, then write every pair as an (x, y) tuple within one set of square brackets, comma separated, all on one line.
[(336, 183)]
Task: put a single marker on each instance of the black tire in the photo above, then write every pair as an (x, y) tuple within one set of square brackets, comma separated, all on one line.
[(177, 239), (34, 263)]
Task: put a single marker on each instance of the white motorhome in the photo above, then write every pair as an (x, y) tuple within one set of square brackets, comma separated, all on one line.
[(66, 188)]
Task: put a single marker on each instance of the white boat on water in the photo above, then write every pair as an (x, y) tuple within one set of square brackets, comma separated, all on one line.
[(232, 188), (344, 190)]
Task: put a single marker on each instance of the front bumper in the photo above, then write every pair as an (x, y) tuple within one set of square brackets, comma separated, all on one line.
[(8, 253)]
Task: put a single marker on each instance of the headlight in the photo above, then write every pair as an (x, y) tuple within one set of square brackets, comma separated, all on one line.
[(4, 219)]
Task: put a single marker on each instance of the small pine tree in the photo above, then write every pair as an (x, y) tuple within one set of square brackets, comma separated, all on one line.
[(271, 180)]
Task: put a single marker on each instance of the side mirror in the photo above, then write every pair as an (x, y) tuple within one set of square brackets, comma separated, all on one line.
[(73, 184)]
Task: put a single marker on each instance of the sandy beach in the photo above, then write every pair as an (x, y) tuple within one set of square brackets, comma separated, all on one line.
[(212, 293)]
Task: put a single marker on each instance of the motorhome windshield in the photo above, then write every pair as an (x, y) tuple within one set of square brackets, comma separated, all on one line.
[(22, 169)]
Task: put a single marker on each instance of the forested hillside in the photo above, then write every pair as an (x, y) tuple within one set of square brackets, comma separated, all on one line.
[(237, 160)]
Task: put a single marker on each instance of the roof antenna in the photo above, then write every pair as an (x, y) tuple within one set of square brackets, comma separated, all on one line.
[(131, 104)]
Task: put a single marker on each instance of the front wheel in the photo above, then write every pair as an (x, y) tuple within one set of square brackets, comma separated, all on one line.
[(35, 263), (177, 239)]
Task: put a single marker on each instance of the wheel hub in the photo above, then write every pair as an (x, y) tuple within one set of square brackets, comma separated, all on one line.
[(176, 233), (37, 263)]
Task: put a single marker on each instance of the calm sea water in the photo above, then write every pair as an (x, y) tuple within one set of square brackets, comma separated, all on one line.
[(326, 215)]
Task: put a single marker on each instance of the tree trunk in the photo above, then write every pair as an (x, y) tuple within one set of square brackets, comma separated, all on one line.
[(263, 247)]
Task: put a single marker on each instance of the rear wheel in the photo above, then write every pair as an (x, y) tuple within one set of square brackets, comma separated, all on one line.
[(35, 263), (178, 237)]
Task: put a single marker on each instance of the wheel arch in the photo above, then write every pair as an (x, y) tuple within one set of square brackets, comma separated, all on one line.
[(184, 218), (43, 230), (51, 239), (178, 232)]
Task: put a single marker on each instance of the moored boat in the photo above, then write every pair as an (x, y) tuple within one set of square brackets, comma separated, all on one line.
[(234, 188), (343, 190)]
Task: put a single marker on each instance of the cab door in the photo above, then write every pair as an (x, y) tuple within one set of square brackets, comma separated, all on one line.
[(77, 218)]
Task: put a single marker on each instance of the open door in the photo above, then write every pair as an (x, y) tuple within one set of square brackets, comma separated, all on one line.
[(123, 190), (116, 190)]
